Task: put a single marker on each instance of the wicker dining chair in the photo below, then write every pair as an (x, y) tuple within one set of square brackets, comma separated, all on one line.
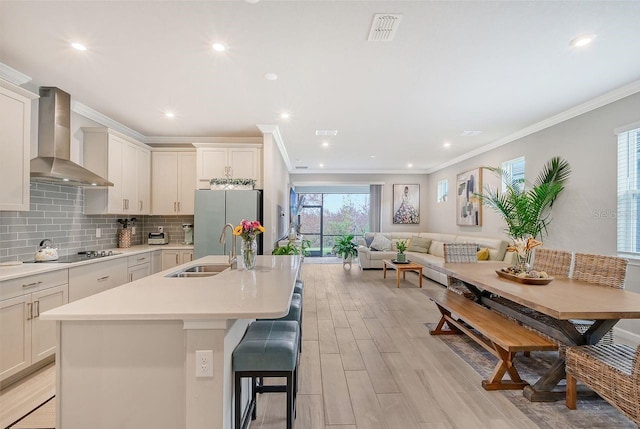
[(599, 270), (610, 370), (465, 253), (553, 262)]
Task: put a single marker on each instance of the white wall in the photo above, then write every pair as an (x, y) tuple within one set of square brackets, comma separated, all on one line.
[(276, 191), (388, 180), (584, 216)]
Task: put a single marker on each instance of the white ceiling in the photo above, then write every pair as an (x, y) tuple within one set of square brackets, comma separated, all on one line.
[(496, 67)]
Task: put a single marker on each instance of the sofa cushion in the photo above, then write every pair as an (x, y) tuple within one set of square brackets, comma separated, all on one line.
[(437, 248), (380, 242), (419, 244), (368, 239), (483, 254)]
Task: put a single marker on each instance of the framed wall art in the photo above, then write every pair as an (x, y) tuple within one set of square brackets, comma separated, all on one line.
[(469, 206), (406, 204)]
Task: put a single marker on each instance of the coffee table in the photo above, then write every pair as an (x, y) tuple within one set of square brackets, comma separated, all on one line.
[(402, 268)]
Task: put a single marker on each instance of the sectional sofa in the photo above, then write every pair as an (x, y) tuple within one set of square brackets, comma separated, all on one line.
[(369, 258)]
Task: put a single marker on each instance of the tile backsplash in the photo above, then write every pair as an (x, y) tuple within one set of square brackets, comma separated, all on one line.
[(56, 214)]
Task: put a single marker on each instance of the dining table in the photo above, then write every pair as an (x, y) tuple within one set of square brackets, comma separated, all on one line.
[(549, 309)]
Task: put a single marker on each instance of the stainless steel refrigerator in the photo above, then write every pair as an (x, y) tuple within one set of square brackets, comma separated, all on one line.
[(214, 209)]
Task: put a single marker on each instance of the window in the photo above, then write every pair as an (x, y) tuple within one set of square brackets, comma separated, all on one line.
[(628, 187), (515, 169), (443, 190)]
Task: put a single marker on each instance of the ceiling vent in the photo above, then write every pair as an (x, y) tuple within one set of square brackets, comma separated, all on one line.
[(384, 27), (326, 132), (301, 167)]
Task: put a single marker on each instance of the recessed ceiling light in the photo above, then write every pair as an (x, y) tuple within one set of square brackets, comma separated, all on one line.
[(252, 1), (326, 132), (65, 180), (583, 40), (410, 165), (271, 76), (285, 115), (78, 46), (94, 184), (446, 144), (373, 156), (325, 144), (219, 47), (321, 165), (170, 114)]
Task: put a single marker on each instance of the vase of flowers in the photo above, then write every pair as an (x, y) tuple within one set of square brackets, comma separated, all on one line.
[(248, 231), (522, 247)]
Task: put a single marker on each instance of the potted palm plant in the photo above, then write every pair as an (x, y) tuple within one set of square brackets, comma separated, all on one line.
[(526, 209), (345, 247), (401, 246)]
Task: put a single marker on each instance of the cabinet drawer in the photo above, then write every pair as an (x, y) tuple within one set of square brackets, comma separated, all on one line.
[(90, 279), (141, 258), (20, 286)]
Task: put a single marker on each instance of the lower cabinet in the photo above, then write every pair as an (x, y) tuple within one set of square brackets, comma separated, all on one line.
[(87, 280), (139, 266), (172, 258), (156, 261), (26, 339)]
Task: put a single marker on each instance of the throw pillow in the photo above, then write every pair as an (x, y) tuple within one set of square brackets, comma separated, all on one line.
[(380, 242), (368, 239), (437, 248), (483, 254), (419, 244)]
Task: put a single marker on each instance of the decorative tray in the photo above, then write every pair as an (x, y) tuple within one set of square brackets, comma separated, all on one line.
[(401, 262), (524, 280)]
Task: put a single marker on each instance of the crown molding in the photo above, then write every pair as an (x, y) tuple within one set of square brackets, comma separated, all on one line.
[(326, 171), (277, 138), (94, 115), (595, 103), (12, 75), (203, 141)]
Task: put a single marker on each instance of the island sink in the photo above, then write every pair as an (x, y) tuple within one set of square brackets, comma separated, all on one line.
[(204, 270)]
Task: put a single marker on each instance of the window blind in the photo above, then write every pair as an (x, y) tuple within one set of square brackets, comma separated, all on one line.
[(515, 169), (443, 191), (628, 228)]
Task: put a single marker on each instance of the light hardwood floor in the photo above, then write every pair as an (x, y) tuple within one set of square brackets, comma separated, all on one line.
[(369, 362)]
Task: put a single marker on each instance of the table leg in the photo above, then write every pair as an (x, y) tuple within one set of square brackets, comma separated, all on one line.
[(420, 274), (384, 270), (398, 281)]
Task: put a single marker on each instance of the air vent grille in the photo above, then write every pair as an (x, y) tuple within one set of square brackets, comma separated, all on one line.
[(301, 167), (384, 27)]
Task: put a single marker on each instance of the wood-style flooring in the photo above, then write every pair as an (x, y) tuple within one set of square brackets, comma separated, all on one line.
[(368, 362)]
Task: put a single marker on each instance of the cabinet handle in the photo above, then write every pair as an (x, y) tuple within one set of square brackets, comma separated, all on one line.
[(31, 284), (29, 311), (178, 206), (177, 260), (36, 306), (101, 279), (130, 277), (175, 205), (140, 206), (142, 259)]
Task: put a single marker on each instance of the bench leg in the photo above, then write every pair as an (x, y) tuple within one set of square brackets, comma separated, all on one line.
[(504, 365), (451, 330), (571, 392), (290, 401)]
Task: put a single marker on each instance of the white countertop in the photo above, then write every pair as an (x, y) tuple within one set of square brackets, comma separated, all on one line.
[(264, 292), (26, 269)]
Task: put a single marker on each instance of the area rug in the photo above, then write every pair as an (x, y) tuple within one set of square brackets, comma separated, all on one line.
[(592, 412)]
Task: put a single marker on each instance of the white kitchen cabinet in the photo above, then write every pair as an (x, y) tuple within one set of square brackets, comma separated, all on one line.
[(173, 182), (172, 258), (87, 280), (238, 161), (15, 146), (139, 266), (123, 161), (24, 338), (156, 261)]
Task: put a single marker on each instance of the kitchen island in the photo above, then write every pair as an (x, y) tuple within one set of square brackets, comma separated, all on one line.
[(126, 356)]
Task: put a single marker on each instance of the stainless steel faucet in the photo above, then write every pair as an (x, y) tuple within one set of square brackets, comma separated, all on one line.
[(233, 259)]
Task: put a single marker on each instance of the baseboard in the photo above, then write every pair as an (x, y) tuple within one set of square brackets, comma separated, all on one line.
[(626, 337)]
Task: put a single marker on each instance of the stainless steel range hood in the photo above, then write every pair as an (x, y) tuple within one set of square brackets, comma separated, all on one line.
[(53, 163)]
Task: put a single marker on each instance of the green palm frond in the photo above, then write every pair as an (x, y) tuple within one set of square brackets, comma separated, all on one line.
[(527, 212)]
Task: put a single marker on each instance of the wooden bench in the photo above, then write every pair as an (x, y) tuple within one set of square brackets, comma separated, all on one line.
[(500, 336)]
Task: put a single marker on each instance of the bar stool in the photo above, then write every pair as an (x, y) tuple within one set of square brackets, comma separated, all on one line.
[(268, 349), (299, 287), (295, 314)]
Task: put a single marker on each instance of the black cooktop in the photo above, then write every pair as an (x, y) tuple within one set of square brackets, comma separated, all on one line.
[(80, 256)]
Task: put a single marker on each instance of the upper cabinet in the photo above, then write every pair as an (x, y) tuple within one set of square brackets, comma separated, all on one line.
[(173, 182), (123, 161), (237, 161), (15, 145)]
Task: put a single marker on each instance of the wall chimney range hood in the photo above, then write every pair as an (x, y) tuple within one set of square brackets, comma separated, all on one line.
[(53, 163)]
